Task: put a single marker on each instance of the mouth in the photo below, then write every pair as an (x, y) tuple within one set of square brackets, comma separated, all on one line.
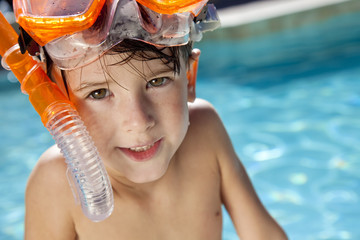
[(142, 153), (142, 149)]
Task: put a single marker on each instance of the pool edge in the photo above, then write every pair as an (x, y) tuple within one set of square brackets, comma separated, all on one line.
[(279, 22)]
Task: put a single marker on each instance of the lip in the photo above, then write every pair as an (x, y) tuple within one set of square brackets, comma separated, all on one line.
[(142, 156)]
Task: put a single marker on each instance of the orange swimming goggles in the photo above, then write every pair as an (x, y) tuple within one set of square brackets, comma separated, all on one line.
[(46, 20)]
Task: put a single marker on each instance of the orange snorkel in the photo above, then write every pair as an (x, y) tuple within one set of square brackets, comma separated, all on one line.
[(63, 122), (34, 81)]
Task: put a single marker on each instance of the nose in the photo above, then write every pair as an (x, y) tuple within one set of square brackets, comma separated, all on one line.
[(137, 114)]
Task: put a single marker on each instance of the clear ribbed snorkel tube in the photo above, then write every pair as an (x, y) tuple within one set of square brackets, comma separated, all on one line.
[(63, 122)]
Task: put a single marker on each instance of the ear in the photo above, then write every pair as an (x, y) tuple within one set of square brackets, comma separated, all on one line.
[(191, 74)]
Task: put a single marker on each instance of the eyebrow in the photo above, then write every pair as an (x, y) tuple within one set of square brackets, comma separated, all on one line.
[(160, 72), (88, 85), (101, 84)]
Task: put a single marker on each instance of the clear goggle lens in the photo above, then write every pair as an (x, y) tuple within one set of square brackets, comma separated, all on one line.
[(71, 46)]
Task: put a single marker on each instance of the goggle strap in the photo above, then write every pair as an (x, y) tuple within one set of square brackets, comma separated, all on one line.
[(202, 15), (27, 43), (208, 19)]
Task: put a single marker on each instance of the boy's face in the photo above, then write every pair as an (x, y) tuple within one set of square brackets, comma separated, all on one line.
[(136, 113)]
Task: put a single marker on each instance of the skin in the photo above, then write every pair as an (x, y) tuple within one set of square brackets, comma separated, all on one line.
[(175, 194)]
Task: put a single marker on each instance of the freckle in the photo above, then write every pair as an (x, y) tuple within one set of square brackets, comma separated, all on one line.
[(217, 213)]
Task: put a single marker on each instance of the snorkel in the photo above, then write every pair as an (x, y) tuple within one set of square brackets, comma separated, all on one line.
[(59, 116)]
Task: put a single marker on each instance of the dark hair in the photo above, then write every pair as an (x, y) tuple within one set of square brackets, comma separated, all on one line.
[(144, 52)]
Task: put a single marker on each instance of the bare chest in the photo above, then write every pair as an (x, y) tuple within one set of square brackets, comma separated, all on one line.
[(184, 210)]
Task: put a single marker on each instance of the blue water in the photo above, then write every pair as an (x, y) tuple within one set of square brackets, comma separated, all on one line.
[(291, 104)]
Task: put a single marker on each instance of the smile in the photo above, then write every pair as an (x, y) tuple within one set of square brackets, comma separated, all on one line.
[(142, 149), (142, 153)]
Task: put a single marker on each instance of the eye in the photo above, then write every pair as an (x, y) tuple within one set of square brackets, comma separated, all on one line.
[(157, 82), (99, 94)]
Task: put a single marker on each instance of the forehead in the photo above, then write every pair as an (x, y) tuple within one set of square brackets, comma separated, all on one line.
[(122, 64), (135, 58)]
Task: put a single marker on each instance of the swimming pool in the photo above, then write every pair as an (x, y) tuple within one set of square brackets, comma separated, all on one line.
[(291, 103)]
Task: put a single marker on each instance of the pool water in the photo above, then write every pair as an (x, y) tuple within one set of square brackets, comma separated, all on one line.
[(291, 104)]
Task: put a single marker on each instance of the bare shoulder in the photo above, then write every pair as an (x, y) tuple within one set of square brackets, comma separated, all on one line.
[(49, 169), (203, 115), (200, 107), (205, 121), (48, 199)]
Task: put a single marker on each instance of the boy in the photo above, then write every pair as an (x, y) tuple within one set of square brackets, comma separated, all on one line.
[(169, 159)]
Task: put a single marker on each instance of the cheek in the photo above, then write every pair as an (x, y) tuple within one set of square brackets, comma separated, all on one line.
[(88, 114), (174, 110), (95, 120)]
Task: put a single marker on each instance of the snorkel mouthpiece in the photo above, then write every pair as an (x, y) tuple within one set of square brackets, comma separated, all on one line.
[(59, 116)]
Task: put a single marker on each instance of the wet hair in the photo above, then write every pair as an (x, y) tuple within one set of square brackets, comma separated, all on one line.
[(142, 51)]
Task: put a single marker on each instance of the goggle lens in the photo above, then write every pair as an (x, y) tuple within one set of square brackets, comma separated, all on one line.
[(174, 6), (48, 20)]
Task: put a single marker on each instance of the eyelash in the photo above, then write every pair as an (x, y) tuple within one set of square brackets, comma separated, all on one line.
[(92, 94), (152, 83), (149, 84)]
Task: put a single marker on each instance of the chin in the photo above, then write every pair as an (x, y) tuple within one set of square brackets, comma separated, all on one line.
[(144, 179), (141, 177)]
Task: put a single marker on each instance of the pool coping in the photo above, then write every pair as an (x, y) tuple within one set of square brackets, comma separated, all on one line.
[(262, 10), (264, 17)]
